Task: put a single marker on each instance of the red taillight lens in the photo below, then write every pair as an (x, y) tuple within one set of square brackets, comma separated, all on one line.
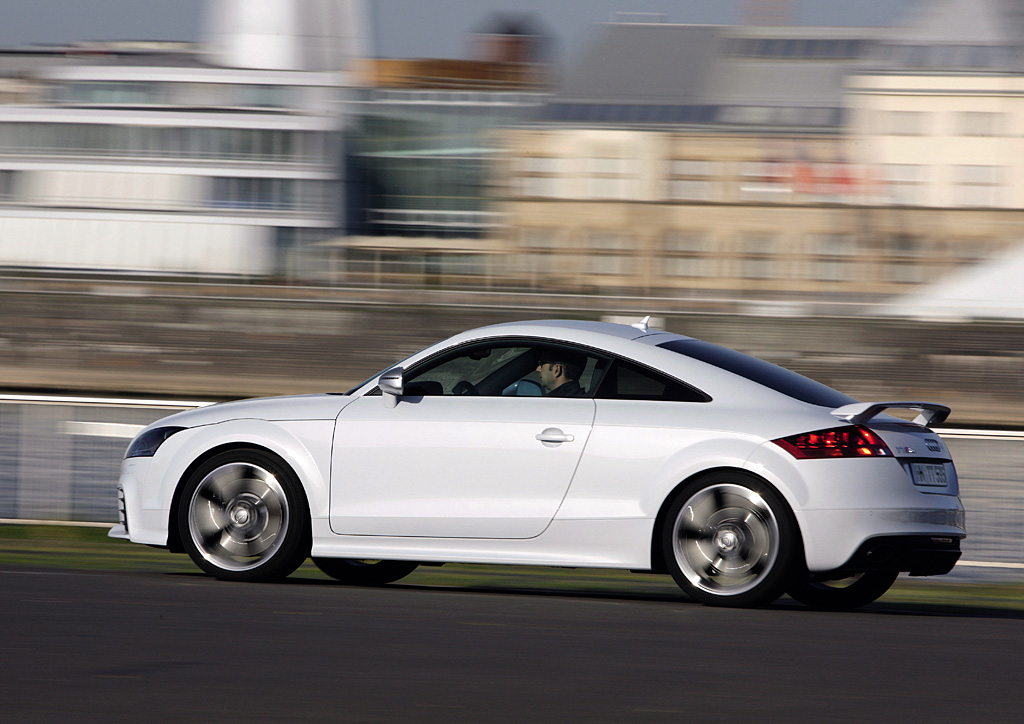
[(853, 441)]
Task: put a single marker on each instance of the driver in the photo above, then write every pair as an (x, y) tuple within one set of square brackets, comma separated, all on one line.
[(559, 373)]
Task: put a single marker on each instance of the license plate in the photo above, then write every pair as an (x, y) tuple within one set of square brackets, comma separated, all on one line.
[(933, 475)]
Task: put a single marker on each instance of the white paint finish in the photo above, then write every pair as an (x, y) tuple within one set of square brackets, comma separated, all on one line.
[(637, 457), (831, 537), (466, 479), (294, 407), (622, 543), (454, 466), (149, 484)]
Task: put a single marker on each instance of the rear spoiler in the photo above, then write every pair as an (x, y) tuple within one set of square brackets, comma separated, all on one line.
[(859, 412)]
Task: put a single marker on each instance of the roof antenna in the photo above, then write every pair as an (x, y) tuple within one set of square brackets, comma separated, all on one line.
[(642, 324)]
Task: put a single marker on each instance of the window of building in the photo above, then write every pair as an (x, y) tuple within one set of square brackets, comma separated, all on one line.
[(527, 266), (903, 272), (977, 186), (686, 242), (832, 244), (7, 181), (608, 166), (539, 238), (539, 176), (105, 140), (767, 181), (609, 240), (758, 243), (279, 194), (543, 187), (541, 164), (759, 250), (758, 268), (610, 264), (979, 123), (833, 256), (693, 267), (905, 184), (970, 251), (833, 270), (613, 178), (691, 180), (903, 245), (906, 123), (691, 167)]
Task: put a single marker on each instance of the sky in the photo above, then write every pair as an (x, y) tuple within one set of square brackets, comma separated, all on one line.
[(404, 28)]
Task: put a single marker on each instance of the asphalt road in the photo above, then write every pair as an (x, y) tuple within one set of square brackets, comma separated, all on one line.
[(173, 647)]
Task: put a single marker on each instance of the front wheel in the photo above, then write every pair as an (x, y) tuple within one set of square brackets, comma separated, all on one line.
[(243, 517), (729, 540), (844, 594), (365, 573)]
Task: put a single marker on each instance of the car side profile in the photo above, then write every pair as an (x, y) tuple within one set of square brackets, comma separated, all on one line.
[(561, 443)]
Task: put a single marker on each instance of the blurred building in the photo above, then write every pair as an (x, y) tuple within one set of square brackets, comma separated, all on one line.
[(421, 149), (774, 161), (164, 158)]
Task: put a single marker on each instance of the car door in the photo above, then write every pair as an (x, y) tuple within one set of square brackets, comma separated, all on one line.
[(456, 458)]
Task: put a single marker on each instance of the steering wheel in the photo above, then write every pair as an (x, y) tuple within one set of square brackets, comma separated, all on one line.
[(464, 388)]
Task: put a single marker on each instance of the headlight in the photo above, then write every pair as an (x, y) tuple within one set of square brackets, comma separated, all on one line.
[(146, 444)]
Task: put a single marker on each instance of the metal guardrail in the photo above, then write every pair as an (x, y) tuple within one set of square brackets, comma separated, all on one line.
[(60, 456), (60, 460)]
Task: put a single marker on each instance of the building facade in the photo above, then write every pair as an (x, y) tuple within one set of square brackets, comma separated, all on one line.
[(789, 162), (219, 159)]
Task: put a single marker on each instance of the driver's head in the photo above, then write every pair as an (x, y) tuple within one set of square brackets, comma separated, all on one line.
[(556, 367)]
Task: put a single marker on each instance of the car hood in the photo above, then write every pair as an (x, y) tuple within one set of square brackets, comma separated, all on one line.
[(299, 407)]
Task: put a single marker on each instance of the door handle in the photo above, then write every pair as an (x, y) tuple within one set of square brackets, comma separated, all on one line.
[(554, 436)]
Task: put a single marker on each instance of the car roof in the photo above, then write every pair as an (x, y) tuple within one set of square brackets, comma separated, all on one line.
[(577, 330)]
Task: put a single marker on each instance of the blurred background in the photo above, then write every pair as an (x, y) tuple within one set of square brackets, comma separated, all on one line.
[(212, 199)]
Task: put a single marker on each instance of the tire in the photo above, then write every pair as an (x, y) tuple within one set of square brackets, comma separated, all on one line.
[(243, 516), (845, 594), (729, 539), (365, 573)]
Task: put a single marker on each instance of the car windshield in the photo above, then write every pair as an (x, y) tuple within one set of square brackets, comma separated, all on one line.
[(757, 370)]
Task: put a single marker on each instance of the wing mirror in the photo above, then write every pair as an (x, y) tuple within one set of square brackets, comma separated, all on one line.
[(391, 384)]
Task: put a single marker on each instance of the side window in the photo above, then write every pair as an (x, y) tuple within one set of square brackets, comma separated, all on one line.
[(627, 381), (476, 370), (518, 368)]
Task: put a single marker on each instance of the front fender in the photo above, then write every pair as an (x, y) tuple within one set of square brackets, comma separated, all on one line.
[(305, 445)]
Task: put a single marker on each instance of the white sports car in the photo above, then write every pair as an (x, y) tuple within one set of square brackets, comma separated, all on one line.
[(578, 444)]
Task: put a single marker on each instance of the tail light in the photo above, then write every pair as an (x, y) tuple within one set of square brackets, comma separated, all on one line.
[(853, 441)]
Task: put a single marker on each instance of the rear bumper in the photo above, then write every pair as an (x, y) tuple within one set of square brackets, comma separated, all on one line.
[(918, 555), (841, 539)]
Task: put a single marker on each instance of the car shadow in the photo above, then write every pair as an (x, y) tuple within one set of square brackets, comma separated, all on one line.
[(968, 607)]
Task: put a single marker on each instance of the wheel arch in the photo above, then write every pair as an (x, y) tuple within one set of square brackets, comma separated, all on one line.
[(658, 564), (174, 542)]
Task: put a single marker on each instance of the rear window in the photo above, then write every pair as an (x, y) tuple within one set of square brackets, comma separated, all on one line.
[(757, 370)]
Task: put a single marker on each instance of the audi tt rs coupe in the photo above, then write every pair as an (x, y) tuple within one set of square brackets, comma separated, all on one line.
[(561, 443)]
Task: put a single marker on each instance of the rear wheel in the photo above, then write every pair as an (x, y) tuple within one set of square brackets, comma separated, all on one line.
[(729, 540), (365, 573), (243, 517), (844, 594)]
